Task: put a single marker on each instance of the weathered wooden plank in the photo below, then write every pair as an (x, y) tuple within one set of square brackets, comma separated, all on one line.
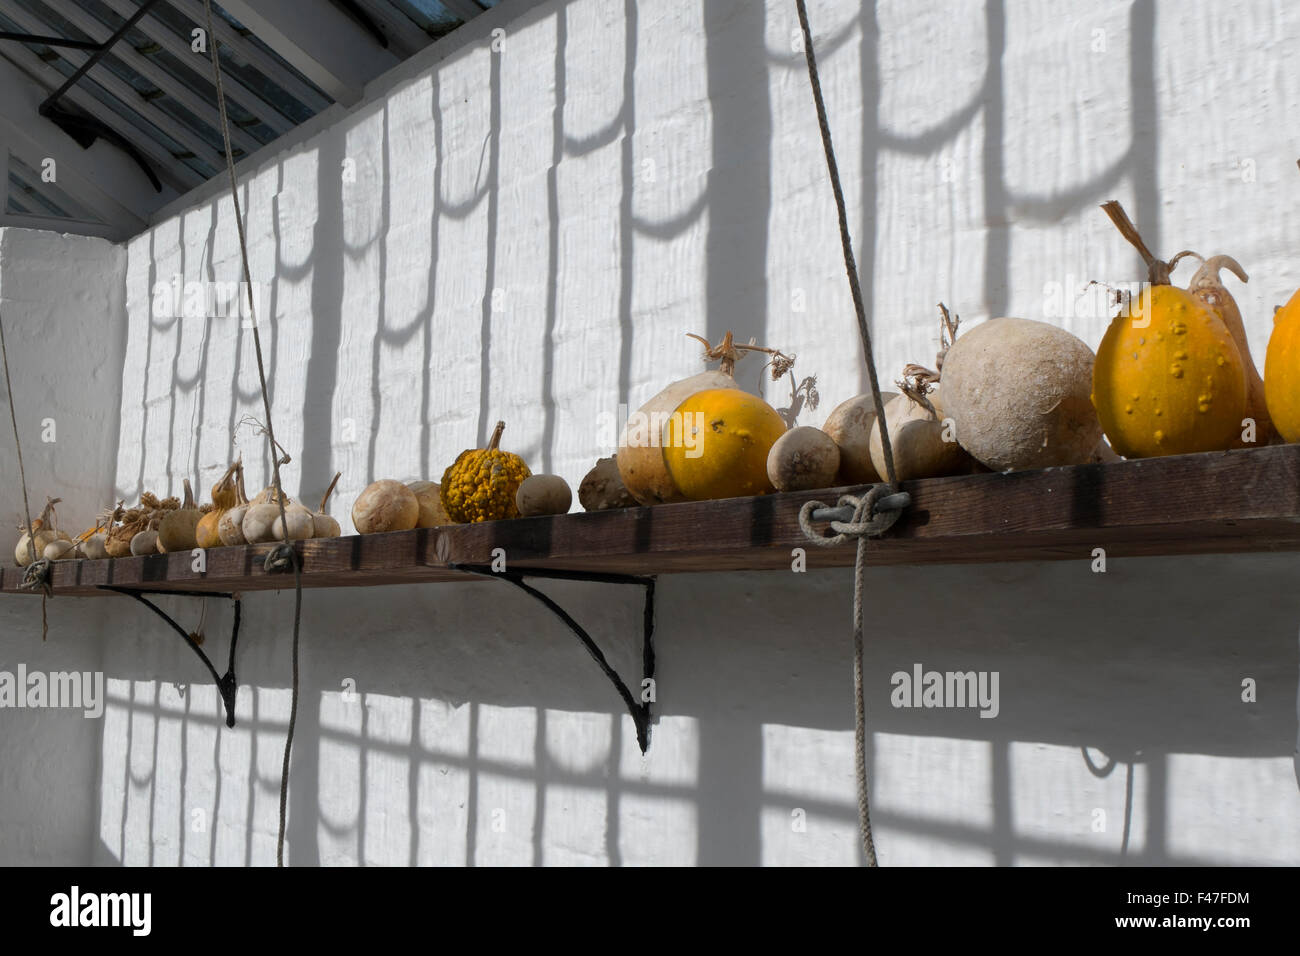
[(1223, 502)]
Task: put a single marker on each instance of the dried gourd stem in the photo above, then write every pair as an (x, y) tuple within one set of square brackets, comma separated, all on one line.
[(270, 433), (1157, 269), (330, 490), (947, 334), (729, 351), (916, 382), (493, 443)]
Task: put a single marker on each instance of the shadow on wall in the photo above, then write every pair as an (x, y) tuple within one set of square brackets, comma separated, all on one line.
[(497, 741), (472, 711)]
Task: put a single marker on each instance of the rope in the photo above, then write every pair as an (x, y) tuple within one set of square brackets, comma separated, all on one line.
[(867, 522), (292, 559), (38, 569), (846, 241)]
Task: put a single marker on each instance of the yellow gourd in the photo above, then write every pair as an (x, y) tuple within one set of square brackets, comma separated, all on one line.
[(1168, 379), (1282, 370), (727, 435), (224, 497), (655, 439), (481, 484), (1209, 288)]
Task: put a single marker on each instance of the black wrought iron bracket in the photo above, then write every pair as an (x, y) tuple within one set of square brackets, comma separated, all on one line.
[(638, 706), (227, 686)]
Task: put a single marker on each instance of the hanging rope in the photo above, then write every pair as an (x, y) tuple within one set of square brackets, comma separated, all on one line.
[(38, 569), (283, 556), (867, 521)]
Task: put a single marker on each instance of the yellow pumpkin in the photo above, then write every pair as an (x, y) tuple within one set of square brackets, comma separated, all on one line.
[(643, 447), (1169, 378), (1282, 370), (720, 447)]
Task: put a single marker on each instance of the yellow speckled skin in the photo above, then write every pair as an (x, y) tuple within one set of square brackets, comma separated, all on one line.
[(481, 484), (733, 434), (1282, 371), (1168, 379)]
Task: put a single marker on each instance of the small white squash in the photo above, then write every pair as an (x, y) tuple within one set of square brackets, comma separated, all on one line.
[(803, 458), (543, 495)]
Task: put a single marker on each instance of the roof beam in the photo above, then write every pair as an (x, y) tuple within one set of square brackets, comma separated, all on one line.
[(253, 55), (112, 232), (173, 173), (205, 110), (236, 91), (400, 29), (335, 53), (124, 92)]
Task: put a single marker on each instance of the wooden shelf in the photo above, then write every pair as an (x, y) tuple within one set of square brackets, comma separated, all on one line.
[(1222, 502)]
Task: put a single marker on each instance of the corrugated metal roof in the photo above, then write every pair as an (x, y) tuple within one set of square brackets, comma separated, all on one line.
[(151, 94)]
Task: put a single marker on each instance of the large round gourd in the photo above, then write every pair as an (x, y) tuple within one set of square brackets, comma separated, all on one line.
[(727, 436), (1282, 370), (1168, 379), (640, 458), (1019, 393)]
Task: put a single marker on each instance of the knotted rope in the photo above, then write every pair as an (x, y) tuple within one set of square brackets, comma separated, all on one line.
[(284, 556), (39, 570), (868, 521)]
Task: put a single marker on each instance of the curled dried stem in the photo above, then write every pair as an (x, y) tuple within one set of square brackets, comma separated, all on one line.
[(729, 351)]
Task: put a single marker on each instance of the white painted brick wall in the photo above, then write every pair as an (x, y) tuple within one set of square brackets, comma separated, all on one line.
[(975, 141)]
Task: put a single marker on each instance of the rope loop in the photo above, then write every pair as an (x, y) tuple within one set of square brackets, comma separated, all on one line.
[(40, 574), (281, 558), (869, 519)]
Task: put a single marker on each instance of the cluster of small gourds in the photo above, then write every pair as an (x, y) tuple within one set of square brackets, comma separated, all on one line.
[(1173, 375)]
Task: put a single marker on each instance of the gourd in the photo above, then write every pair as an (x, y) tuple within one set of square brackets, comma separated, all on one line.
[(1209, 288), (1282, 370), (224, 497), (481, 484), (323, 526), (143, 517), (803, 458), (922, 445), (230, 526), (428, 496), (543, 495), (1168, 379), (262, 522), (661, 446), (145, 542), (44, 531), (385, 505), (178, 530), (849, 426), (730, 433), (602, 488), (1019, 394)]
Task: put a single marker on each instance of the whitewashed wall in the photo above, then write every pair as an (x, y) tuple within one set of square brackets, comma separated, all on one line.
[(526, 233), (61, 300)]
